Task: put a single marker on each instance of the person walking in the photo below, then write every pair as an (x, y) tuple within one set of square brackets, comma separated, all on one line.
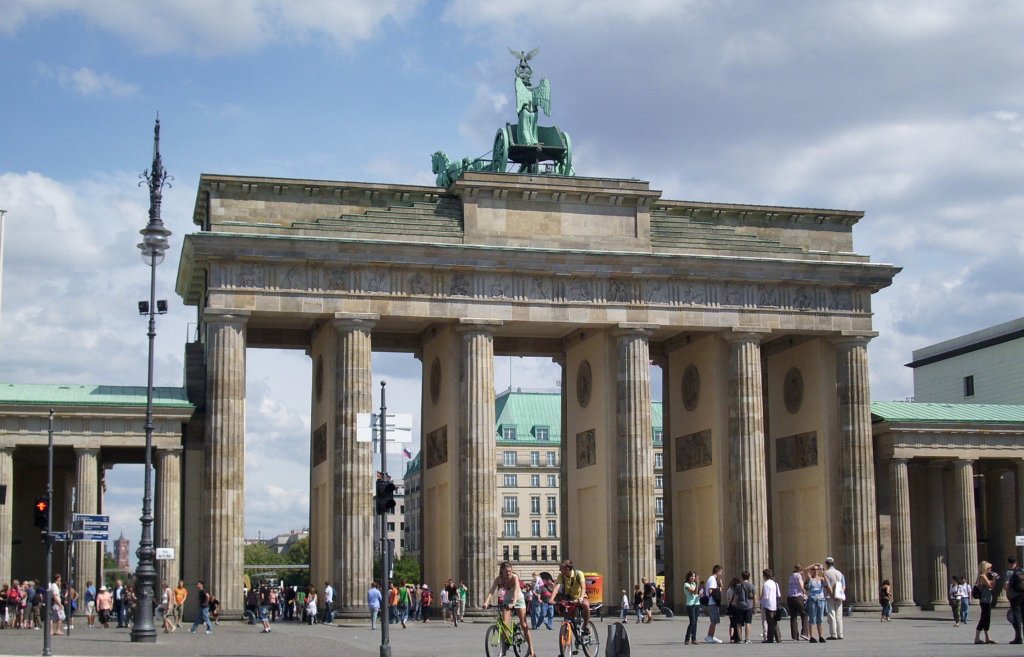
[(1015, 593), (203, 615), (714, 590), (885, 599), (690, 587), (403, 604), (770, 596), (328, 603), (796, 604), (166, 604), (835, 599), (743, 603), (373, 601), (986, 584), (624, 610)]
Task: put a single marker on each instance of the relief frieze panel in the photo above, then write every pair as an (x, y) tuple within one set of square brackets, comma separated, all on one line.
[(541, 289), (796, 451), (693, 450), (437, 447)]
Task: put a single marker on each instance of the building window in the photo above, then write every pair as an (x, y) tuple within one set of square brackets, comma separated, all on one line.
[(659, 506), (969, 386), (552, 509), (657, 553), (504, 553), (515, 553), (535, 459), (659, 529), (535, 528), (657, 435), (401, 509), (535, 504), (543, 553), (510, 458), (552, 460), (533, 553), (508, 433), (659, 481), (535, 481), (391, 526), (510, 481), (511, 529), (552, 481), (657, 461), (541, 433), (509, 504), (552, 529), (554, 553)]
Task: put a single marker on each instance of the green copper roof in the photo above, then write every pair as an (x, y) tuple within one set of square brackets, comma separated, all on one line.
[(90, 395), (933, 412), (527, 411)]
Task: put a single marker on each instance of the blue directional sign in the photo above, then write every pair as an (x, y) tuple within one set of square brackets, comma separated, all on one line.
[(81, 525), (59, 536), (86, 517), (91, 536)]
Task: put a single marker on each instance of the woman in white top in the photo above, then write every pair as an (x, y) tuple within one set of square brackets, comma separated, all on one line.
[(770, 596), (509, 582)]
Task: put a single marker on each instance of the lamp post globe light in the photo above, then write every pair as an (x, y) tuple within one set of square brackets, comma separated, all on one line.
[(153, 245)]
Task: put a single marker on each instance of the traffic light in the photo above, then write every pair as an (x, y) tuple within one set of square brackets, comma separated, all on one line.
[(42, 512), (385, 500)]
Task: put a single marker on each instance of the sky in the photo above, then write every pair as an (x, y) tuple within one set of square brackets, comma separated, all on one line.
[(912, 112)]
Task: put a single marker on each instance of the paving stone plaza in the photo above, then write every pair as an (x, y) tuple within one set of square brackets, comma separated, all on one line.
[(913, 634)]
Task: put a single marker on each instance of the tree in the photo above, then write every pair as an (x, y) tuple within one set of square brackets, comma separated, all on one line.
[(298, 553), (407, 569), (258, 554)]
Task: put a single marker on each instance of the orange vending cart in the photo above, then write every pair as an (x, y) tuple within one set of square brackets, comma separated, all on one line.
[(595, 592)]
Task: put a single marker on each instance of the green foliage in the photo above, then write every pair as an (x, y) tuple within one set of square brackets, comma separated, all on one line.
[(299, 552), (407, 569), (258, 554)]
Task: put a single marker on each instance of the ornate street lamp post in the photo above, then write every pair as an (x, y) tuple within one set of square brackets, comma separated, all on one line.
[(153, 246)]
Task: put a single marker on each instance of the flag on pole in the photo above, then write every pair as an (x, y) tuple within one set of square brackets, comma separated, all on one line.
[(406, 453)]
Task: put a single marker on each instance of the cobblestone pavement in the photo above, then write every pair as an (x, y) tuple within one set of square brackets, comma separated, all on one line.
[(924, 634)]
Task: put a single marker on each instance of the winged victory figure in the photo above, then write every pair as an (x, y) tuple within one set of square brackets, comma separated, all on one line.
[(529, 98)]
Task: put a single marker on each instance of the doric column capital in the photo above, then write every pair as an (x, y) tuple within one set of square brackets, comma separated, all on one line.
[(633, 329), (226, 316), (87, 451), (900, 460), (746, 336), (488, 326), (851, 339), (354, 321), (962, 462)]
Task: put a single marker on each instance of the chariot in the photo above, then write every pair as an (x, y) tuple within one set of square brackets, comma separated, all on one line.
[(553, 145)]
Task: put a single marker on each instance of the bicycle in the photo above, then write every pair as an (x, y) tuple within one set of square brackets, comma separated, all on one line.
[(501, 636), (573, 636)]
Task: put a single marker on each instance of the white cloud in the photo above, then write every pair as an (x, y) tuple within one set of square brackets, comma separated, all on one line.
[(232, 26), (88, 82)]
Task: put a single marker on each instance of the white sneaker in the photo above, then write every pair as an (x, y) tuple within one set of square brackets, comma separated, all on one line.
[(712, 639)]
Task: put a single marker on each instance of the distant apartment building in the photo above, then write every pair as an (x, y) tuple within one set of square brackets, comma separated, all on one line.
[(528, 436), (984, 367)]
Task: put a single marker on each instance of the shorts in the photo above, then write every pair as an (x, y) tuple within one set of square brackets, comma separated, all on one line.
[(714, 614), (90, 608), (815, 611)]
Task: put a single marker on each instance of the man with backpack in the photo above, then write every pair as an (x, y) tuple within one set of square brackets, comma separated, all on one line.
[(1015, 594)]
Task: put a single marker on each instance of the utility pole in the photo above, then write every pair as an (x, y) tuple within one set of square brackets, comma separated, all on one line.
[(385, 490)]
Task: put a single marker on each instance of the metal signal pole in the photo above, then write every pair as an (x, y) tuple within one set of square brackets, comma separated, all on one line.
[(385, 544)]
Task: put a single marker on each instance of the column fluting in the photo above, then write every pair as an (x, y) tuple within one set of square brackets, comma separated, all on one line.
[(87, 500), (902, 552)]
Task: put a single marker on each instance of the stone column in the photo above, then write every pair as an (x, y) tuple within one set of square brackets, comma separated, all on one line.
[(352, 538), (635, 459), (902, 553), (224, 454), (667, 459), (477, 459), (7, 512), (938, 578), (87, 500), (1018, 476), (859, 517), (746, 454), (168, 512), (964, 549), (563, 463)]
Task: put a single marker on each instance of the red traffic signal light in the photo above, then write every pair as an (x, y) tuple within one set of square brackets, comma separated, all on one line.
[(385, 498), (42, 512)]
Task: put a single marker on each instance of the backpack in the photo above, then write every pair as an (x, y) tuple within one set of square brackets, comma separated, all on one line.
[(1017, 581), (618, 641)]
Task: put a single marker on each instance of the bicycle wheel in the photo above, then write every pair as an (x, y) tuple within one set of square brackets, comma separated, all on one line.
[(590, 642), (492, 642), (518, 641), (565, 640)]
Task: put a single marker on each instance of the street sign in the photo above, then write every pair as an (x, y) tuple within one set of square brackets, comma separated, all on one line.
[(1020, 541), (59, 536), (82, 525), (86, 517), (164, 553), (90, 536)]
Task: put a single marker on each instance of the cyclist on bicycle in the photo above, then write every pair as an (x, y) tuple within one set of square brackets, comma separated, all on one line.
[(513, 598), (572, 587)]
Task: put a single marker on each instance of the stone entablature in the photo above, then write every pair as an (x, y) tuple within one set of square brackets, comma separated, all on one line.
[(942, 441), (90, 427)]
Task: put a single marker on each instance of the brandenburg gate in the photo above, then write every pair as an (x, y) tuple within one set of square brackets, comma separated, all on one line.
[(759, 318)]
